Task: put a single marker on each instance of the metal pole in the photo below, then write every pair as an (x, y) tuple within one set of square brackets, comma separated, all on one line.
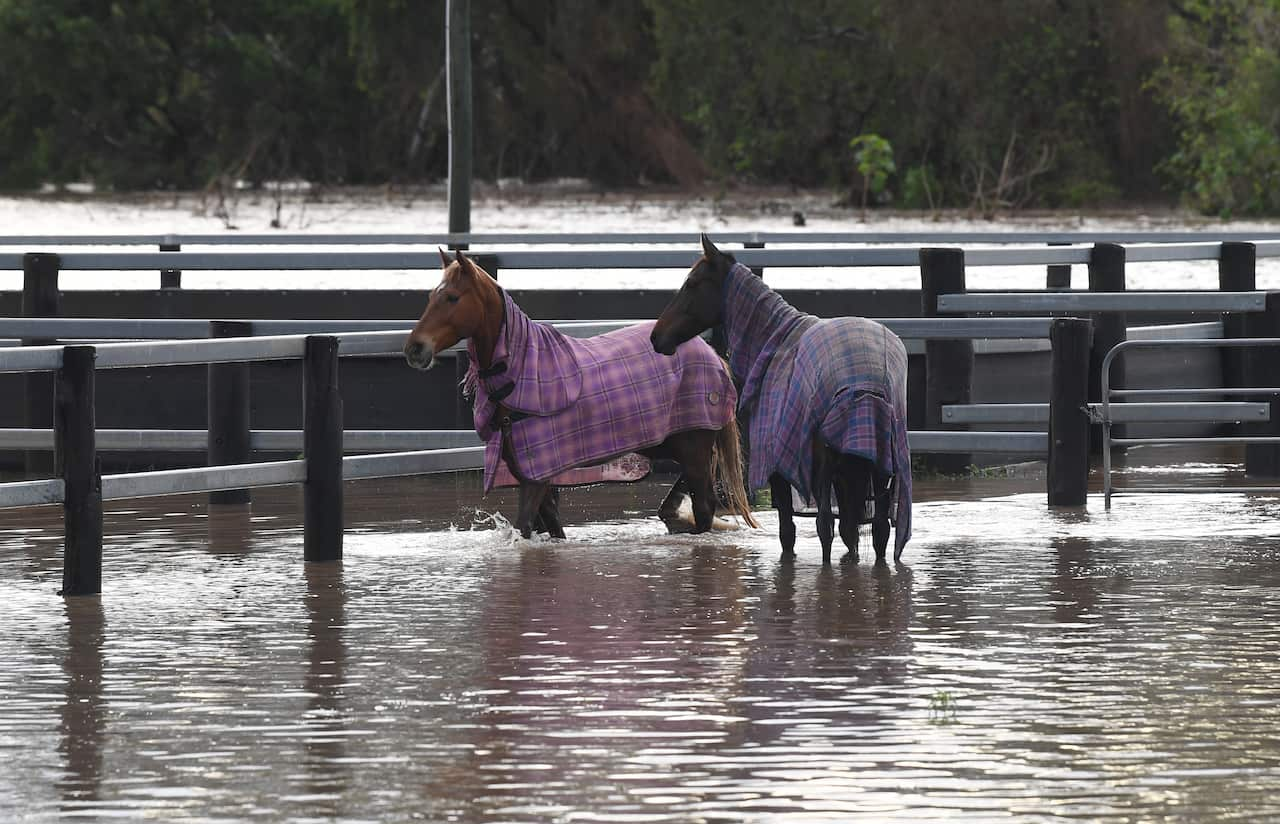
[(228, 411), (458, 79), (1058, 275), (948, 363), (1237, 272), (1262, 368), (1068, 413), (322, 445), (77, 459)]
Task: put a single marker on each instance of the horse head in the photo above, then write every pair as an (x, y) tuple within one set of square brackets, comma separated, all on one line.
[(466, 304), (698, 305)]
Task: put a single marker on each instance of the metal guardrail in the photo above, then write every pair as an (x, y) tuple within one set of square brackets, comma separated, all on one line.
[(1134, 301), (262, 440), (454, 240), (1033, 413), (1107, 417), (600, 259), (185, 330)]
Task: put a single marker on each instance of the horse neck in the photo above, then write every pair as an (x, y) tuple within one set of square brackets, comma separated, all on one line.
[(484, 341), (756, 319)]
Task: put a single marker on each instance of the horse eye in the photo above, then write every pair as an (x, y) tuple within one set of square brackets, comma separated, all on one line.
[(451, 298)]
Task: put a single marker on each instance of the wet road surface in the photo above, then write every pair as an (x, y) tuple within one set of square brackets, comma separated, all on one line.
[(1020, 665)]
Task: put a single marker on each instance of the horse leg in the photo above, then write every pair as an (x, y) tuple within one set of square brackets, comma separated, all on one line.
[(549, 514), (669, 509), (531, 496), (823, 468), (880, 517), (780, 491), (851, 491), (697, 454)]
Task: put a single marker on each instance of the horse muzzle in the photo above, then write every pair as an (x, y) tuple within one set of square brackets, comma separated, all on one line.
[(419, 355), (663, 342)]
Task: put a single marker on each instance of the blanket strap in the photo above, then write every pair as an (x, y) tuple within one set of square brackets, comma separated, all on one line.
[(494, 369)]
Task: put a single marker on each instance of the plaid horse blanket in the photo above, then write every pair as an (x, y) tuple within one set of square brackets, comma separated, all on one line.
[(844, 379), (578, 402)]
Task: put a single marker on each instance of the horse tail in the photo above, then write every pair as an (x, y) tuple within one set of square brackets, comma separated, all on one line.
[(729, 471)]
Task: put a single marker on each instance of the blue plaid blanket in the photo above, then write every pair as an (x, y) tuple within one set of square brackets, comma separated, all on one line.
[(844, 379)]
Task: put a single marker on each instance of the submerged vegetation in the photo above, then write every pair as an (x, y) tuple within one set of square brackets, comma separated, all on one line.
[(987, 105)]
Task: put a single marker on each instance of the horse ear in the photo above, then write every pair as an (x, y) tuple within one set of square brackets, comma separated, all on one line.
[(708, 248), (464, 262), (444, 257)]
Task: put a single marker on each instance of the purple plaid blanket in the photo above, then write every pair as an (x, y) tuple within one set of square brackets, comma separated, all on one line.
[(843, 378), (583, 401)]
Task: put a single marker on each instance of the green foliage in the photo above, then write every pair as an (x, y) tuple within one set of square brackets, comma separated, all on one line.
[(873, 159), (1221, 80), (921, 189)]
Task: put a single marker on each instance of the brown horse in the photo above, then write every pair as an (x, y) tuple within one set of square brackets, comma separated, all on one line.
[(535, 390)]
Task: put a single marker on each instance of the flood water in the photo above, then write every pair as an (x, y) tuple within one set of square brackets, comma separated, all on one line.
[(1020, 664)]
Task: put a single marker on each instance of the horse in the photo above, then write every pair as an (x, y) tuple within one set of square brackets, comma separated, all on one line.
[(825, 400), (548, 405)]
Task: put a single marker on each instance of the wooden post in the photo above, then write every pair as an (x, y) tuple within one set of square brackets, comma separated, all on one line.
[(228, 411), (322, 443), (40, 299), (458, 80), (77, 460), (1237, 272), (1106, 274), (170, 278), (1058, 275), (948, 363), (1068, 412), (1262, 368)]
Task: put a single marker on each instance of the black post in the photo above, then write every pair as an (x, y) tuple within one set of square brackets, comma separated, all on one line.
[(755, 244), (1106, 274), (40, 299), (228, 411), (170, 278), (1262, 368), (1237, 272), (463, 415), (322, 443), (489, 263), (948, 363), (77, 459), (1058, 275), (1068, 412)]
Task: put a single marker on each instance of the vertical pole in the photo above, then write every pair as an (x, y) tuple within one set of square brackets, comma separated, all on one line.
[(77, 459), (458, 80), (40, 299), (463, 415), (1237, 272), (228, 411), (170, 278), (1106, 274), (1262, 368), (1058, 275), (1068, 412), (755, 244), (948, 363), (322, 443)]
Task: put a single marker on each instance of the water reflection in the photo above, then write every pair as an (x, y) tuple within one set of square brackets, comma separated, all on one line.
[(82, 717), (325, 717)]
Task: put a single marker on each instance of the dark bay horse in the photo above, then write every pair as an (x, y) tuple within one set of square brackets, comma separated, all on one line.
[(825, 401), (547, 405)]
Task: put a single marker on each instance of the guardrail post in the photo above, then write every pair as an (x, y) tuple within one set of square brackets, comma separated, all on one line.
[(1069, 412), (1058, 275), (40, 299), (463, 415), (489, 263), (1237, 272), (755, 244), (170, 278), (1262, 368), (1106, 274), (322, 445), (948, 363), (228, 411), (76, 454)]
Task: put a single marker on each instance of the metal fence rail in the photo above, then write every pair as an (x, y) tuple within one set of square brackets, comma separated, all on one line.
[(1135, 301), (1108, 419)]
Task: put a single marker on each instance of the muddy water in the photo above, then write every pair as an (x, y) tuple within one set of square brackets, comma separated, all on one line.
[(1019, 665)]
